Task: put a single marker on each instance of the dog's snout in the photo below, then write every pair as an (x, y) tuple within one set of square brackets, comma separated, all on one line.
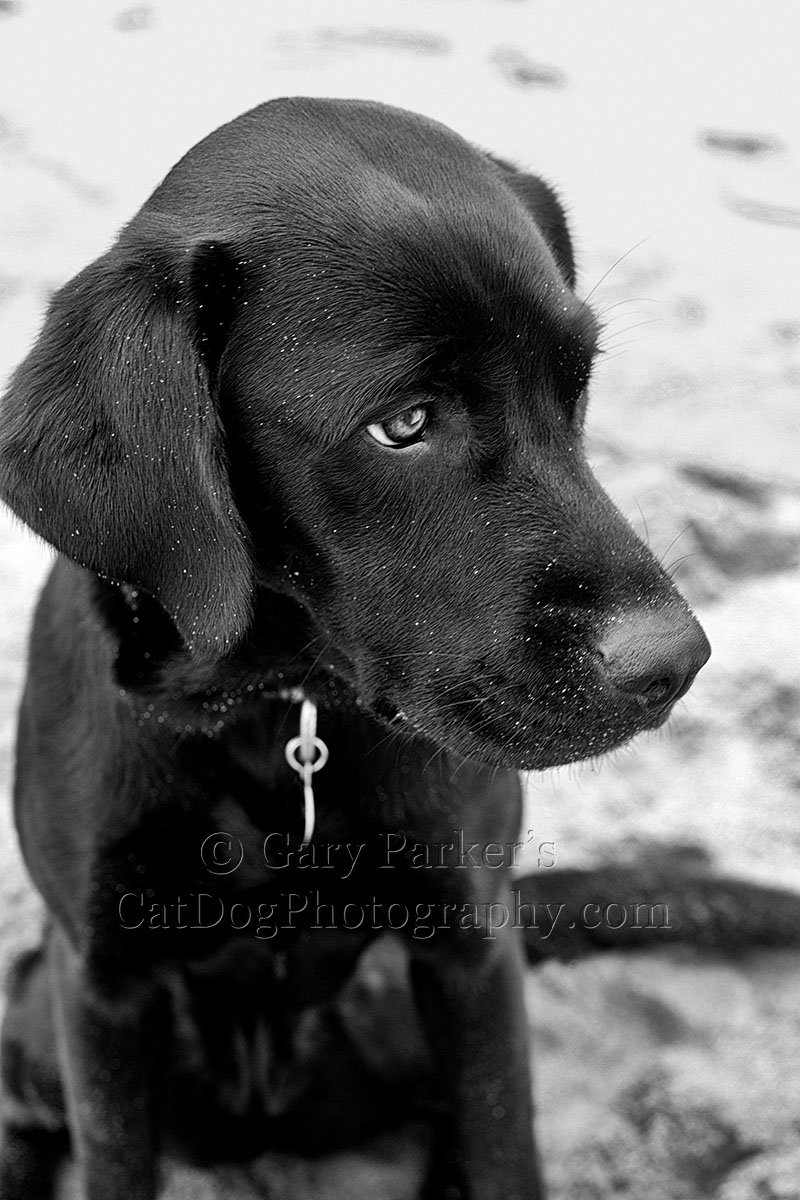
[(654, 655)]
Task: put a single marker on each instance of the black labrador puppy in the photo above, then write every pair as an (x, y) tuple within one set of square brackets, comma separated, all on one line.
[(308, 441)]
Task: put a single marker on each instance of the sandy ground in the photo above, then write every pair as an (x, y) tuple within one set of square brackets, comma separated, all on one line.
[(673, 132)]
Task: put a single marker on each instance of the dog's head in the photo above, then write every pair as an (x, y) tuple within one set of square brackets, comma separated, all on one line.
[(338, 357)]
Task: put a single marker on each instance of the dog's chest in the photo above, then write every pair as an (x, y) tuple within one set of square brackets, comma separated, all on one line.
[(220, 858), (251, 936), (245, 1066)]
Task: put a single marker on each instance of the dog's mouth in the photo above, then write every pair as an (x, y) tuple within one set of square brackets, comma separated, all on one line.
[(558, 705), (507, 728)]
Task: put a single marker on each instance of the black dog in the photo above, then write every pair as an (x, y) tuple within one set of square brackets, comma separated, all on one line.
[(310, 429)]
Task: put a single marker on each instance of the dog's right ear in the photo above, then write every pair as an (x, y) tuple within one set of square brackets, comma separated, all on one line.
[(546, 209), (111, 447)]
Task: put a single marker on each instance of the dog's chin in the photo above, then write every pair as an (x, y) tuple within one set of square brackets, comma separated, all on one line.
[(559, 749), (543, 754), (499, 738)]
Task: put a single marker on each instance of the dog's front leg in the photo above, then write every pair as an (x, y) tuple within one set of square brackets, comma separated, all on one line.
[(107, 1056), (471, 1003)]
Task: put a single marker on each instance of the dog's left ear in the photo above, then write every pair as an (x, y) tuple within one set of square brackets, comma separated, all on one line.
[(545, 207), (111, 447)]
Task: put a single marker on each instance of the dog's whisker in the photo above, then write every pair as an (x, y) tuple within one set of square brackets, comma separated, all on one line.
[(606, 358), (612, 343), (644, 522), (316, 661), (674, 542), (616, 263), (607, 308), (398, 731), (304, 649), (463, 761), (675, 566), (438, 752), (611, 324)]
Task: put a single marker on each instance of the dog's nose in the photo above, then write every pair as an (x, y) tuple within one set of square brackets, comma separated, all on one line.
[(654, 655)]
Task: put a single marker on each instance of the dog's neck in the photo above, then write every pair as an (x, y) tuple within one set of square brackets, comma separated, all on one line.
[(284, 657)]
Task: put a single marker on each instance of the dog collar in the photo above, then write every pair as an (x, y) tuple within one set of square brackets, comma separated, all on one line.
[(306, 754)]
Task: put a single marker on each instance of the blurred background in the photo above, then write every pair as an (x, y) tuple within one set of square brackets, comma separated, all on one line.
[(672, 132)]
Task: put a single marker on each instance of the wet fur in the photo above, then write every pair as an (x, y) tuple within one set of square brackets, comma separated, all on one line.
[(189, 433)]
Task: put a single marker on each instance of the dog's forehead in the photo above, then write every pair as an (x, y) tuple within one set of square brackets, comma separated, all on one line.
[(360, 313), (371, 234), (363, 198), (400, 280), (287, 153), (371, 238)]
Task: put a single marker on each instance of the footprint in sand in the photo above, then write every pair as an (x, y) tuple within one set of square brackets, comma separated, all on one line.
[(762, 182)]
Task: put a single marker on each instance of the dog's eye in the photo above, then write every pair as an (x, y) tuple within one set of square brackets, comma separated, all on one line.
[(403, 430)]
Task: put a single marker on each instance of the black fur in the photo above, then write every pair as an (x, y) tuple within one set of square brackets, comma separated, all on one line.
[(190, 433)]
